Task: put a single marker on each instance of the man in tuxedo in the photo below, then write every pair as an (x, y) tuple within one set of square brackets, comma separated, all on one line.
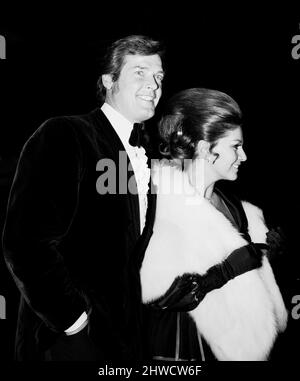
[(71, 242)]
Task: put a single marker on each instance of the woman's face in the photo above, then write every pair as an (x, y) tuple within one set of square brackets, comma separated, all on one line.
[(231, 154)]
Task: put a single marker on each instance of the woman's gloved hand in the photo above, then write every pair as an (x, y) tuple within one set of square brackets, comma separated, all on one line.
[(180, 296), (188, 290)]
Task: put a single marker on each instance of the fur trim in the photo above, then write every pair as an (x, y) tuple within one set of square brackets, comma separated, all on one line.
[(240, 321), (257, 230), (256, 223)]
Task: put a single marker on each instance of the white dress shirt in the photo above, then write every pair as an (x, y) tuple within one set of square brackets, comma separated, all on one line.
[(136, 155)]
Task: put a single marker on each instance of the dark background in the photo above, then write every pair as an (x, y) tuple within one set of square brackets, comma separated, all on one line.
[(52, 69)]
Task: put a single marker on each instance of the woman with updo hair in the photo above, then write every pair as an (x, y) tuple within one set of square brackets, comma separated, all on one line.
[(208, 288)]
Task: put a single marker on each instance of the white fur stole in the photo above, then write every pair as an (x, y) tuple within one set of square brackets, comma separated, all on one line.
[(240, 321)]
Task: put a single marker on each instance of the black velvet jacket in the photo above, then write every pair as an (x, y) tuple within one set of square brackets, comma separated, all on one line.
[(70, 248)]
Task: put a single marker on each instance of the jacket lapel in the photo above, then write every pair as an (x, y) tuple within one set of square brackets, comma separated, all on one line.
[(116, 145)]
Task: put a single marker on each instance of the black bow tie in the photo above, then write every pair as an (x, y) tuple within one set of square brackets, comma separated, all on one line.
[(136, 136)]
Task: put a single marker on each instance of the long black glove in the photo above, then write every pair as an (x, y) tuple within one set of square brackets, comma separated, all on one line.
[(187, 291)]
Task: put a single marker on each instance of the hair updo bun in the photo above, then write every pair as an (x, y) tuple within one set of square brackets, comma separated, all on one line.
[(193, 115), (175, 144)]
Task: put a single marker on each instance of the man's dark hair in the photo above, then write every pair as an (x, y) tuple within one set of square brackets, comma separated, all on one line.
[(113, 60)]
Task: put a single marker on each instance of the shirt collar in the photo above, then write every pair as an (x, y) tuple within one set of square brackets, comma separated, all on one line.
[(121, 125)]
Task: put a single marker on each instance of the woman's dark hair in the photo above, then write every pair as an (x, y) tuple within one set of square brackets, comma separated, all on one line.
[(193, 115), (113, 60)]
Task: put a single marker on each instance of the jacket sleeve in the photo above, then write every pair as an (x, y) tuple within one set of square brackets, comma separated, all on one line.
[(41, 207)]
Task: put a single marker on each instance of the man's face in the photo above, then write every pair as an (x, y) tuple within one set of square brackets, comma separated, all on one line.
[(137, 91)]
